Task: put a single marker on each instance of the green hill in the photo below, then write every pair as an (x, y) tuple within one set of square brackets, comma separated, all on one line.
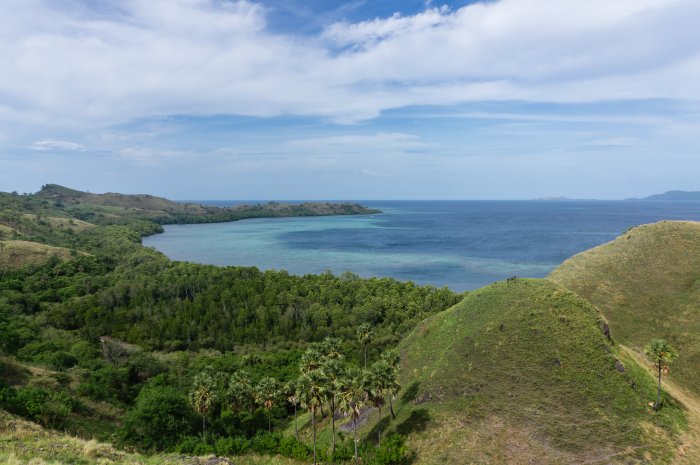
[(111, 207), (647, 284), (521, 372)]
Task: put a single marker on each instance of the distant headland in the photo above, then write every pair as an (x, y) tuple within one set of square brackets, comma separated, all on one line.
[(676, 196)]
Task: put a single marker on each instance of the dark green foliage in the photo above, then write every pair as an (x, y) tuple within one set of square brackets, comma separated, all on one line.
[(106, 382), (161, 416), (393, 451), (49, 408), (48, 354)]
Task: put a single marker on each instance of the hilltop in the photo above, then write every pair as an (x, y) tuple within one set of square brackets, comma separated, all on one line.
[(522, 372), (647, 284)]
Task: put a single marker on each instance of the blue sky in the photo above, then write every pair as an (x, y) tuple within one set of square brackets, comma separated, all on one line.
[(221, 99)]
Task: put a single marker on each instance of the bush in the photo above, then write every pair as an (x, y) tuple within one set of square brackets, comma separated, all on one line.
[(266, 443), (393, 451), (232, 446), (186, 445), (49, 408), (292, 448), (47, 353), (161, 417), (106, 382)]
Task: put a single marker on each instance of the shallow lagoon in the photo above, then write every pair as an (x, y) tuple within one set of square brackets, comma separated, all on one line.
[(460, 244)]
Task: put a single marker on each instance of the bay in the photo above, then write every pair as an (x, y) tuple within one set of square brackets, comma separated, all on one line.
[(460, 244)]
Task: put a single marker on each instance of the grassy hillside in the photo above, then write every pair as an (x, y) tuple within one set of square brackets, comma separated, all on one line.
[(16, 254), (647, 284), (520, 372)]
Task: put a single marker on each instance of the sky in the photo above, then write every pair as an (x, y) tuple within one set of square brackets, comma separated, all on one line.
[(361, 99)]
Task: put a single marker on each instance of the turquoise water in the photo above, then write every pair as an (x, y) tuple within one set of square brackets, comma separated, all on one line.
[(460, 244)]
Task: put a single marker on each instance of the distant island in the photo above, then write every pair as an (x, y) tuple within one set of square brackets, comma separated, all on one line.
[(678, 196), (113, 208)]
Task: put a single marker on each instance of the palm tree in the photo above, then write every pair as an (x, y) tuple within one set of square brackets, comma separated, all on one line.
[(352, 398), (203, 396), (364, 337), (293, 398), (391, 367), (241, 393), (311, 360), (330, 347), (375, 383), (333, 370), (312, 390), (662, 354), (266, 393)]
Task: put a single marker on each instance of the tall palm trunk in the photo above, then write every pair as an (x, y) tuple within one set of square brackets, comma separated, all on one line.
[(354, 431), (269, 421), (391, 406), (296, 430), (313, 425), (658, 391), (365, 356), (379, 427), (204, 424), (333, 427), (252, 414)]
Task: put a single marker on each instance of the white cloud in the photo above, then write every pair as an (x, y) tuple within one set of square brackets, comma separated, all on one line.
[(151, 157), (381, 141), (77, 66), (61, 145)]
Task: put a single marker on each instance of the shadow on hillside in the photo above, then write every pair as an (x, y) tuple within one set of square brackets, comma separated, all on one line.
[(410, 393), (415, 423)]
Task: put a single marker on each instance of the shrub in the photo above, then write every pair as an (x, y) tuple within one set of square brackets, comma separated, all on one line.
[(292, 448), (393, 451), (49, 408), (266, 443), (232, 446), (159, 419)]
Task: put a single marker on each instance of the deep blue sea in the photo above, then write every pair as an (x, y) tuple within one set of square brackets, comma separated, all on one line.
[(460, 244)]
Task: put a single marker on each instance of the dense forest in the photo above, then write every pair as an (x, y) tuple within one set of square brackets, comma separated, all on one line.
[(173, 345)]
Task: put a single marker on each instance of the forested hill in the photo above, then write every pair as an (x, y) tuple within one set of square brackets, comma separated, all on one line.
[(110, 208)]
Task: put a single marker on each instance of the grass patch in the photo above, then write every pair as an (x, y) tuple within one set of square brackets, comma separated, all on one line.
[(18, 254)]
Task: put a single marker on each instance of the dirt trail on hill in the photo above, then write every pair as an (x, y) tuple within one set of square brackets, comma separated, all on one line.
[(689, 451)]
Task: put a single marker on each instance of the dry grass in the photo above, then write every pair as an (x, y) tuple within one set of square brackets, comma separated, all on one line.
[(688, 452), (16, 254)]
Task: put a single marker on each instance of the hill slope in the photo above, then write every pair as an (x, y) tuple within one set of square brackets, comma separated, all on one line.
[(520, 372), (16, 254), (647, 284)]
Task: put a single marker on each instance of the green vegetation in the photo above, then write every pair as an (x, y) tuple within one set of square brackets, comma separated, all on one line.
[(647, 284), (107, 340), (114, 208), (522, 367)]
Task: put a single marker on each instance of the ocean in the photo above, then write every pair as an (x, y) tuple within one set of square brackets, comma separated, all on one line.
[(460, 244)]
